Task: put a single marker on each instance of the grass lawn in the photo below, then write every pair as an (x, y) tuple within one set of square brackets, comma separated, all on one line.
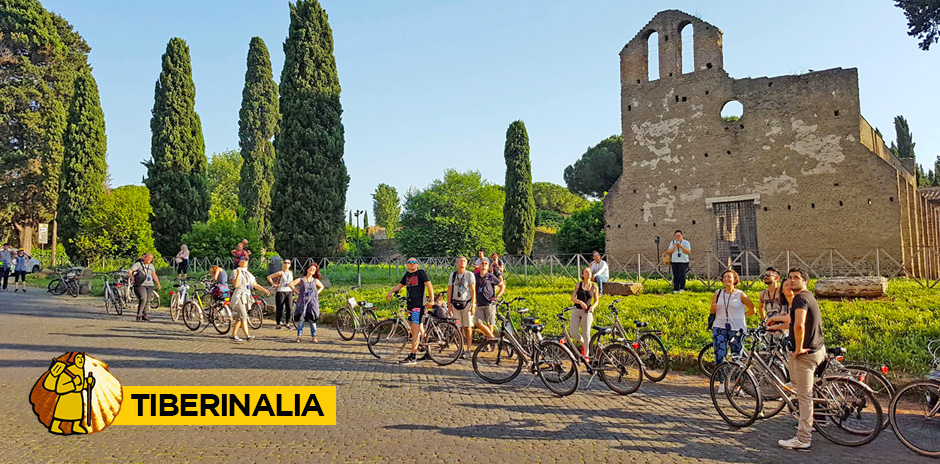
[(893, 330)]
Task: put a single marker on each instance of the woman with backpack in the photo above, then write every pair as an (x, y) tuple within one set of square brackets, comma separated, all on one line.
[(308, 287), (143, 276)]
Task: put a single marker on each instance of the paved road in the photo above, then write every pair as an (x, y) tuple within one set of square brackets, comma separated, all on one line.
[(386, 413)]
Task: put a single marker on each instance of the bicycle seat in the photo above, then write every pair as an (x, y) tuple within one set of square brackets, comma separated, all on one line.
[(640, 324), (522, 310), (603, 330), (536, 327), (836, 351), (530, 320), (366, 305)]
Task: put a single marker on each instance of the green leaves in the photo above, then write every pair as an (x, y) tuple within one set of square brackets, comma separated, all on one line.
[(223, 182), (553, 197), (217, 238), (119, 226), (598, 169), (387, 208), (519, 211), (583, 232), (176, 172), (923, 20), (454, 215)]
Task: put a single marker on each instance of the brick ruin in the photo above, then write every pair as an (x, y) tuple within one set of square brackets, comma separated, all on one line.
[(800, 170)]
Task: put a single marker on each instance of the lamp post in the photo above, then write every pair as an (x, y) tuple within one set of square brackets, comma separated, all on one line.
[(358, 249), (658, 256)]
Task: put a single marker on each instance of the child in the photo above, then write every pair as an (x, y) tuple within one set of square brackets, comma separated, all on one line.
[(439, 308)]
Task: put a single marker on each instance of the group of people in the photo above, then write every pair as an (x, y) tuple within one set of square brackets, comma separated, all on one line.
[(17, 262)]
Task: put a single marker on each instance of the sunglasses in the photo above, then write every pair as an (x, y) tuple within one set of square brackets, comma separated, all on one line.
[(412, 262)]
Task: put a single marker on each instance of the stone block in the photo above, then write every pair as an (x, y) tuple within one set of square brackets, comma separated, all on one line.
[(623, 288), (852, 287)]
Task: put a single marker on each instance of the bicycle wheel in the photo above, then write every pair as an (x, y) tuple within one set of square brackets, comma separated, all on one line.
[(175, 306), (557, 368), (192, 315), (119, 302), (652, 352), (444, 342), (221, 320), (846, 412), (256, 315), (345, 324), (53, 284), (496, 361), (155, 301), (879, 385), (915, 417), (387, 340), (368, 322), (735, 394), (108, 302), (771, 398), (73, 289), (706, 360), (620, 368)]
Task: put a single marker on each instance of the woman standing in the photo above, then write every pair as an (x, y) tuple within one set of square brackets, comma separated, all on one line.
[(284, 295), (730, 307), (243, 282), (182, 262), (585, 300), (143, 286), (20, 266), (308, 288)]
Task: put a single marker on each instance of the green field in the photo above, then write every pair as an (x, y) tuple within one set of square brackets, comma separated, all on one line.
[(893, 330)]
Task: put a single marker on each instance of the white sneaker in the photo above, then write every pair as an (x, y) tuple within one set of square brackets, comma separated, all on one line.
[(721, 388), (794, 443)]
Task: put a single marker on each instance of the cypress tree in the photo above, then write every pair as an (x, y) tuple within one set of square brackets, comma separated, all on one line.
[(309, 168), (84, 165), (257, 124), (387, 208), (519, 210), (350, 218), (365, 220), (176, 172)]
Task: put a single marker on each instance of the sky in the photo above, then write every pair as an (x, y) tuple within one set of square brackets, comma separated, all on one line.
[(431, 85)]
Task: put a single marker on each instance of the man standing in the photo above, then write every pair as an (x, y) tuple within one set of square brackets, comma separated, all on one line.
[(600, 271), (489, 289), (6, 263), (680, 250), (461, 295), (146, 276), (807, 351), (416, 281)]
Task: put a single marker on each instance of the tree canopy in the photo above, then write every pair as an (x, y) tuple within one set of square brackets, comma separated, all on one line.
[(923, 20), (386, 206), (553, 197), (223, 182), (583, 231), (119, 226), (597, 169), (519, 210)]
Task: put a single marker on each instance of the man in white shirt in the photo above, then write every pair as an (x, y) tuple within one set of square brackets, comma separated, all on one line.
[(680, 250), (600, 271)]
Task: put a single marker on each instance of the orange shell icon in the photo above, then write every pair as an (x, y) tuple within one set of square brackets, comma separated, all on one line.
[(77, 394)]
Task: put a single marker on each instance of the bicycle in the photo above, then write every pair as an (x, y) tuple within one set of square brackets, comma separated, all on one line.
[(873, 378), (67, 282), (618, 365), (501, 359), (130, 295), (113, 295), (179, 298), (441, 338), (841, 404), (256, 312), (218, 314), (914, 411), (645, 341), (355, 317)]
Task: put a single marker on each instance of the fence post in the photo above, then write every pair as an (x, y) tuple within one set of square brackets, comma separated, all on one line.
[(639, 277), (525, 265), (878, 261), (788, 261), (832, 271)]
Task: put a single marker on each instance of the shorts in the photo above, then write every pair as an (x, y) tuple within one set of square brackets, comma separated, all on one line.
[(464, 317), (416, 315), (486, 314)]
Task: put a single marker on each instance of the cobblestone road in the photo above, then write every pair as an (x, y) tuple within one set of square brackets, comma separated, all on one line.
[(386, 413)]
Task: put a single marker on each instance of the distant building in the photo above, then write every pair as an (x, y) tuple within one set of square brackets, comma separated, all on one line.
[(800, 169)]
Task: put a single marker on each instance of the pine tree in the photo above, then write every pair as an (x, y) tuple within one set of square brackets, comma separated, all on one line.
[(387, 208), (309, 168), (42, 56), (176, 172), (257, 124), (84, 165), (519, 211)]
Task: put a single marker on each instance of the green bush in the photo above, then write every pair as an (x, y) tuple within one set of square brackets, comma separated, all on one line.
[(218, 238), (119, 227), (44, 256), (352, 244), (583, 231), (548, 218)]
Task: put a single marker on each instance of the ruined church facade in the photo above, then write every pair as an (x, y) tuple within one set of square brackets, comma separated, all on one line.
[(800, 170)]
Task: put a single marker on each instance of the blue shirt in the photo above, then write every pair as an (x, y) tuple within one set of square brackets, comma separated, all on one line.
[(679, 256)]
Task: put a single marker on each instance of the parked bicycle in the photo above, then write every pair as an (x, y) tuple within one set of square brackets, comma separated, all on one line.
[(355, 317), (647, 343), (442, 339), (113, 294), (179, 297), (617, 365), (217, 314), (256, 312), (66, 282), (846, 411), (915, 410), (131, 296), (502, 358)]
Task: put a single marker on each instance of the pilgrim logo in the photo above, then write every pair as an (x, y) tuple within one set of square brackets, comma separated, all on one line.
[(77, 394)]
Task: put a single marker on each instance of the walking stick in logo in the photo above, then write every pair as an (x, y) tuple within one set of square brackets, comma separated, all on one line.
[(91, 385), (77, 394)]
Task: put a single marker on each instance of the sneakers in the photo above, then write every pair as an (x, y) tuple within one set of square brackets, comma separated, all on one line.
[(411, 359), (426, 357), (238, 339), (721, 388), (795, 444), (250, 338), (314, 340), (298, 340), (279, 327), (145, 318)]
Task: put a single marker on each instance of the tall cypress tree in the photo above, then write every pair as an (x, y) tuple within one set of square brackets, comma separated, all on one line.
[(176, 172), (257, 124), (519, 211), (309, 168), (84, 165)]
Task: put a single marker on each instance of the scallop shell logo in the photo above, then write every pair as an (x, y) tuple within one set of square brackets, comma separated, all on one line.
[(77, 394)]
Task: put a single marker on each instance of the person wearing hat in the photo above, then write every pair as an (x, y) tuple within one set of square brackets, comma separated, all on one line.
[(6, 263), (20, 267)]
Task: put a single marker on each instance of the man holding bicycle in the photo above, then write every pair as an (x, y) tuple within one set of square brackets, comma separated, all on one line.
[(416, 281), (807, 352)]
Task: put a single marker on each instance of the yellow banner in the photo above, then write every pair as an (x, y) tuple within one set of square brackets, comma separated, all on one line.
[(227, 405)]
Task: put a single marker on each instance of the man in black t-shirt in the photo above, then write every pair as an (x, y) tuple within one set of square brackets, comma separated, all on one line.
[(807, 352), (415, 281)]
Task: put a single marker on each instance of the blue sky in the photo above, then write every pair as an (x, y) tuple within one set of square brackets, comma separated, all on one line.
[(429, 85)]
